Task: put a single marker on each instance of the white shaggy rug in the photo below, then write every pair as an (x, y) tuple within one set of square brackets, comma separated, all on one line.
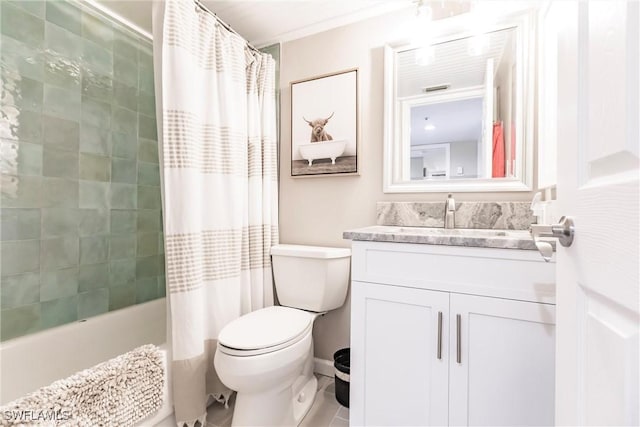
[(119, 392)]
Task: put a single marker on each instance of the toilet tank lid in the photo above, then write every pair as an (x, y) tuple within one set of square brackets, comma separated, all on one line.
[(303, 251)]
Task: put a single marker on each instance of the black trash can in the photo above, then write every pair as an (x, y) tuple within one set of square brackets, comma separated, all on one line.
[(341, 363)]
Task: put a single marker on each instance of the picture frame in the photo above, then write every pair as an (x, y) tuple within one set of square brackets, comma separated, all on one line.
[(325, 129)]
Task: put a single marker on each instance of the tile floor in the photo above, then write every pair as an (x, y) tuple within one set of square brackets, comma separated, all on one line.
[(325, 411)]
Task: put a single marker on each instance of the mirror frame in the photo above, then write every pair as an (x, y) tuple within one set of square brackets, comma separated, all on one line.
[(524, 24)]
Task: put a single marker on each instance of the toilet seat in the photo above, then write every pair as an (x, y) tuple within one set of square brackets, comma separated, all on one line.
[(265, 331)]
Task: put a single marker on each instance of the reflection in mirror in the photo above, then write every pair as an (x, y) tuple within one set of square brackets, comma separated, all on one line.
[(459, 112), (454, 126), (460, 98)]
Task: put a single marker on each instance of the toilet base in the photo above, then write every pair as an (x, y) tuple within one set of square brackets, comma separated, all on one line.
[(286, 407)]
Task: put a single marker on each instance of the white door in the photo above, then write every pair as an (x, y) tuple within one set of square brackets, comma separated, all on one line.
[(398, 376), (598, 170), (501, 362)]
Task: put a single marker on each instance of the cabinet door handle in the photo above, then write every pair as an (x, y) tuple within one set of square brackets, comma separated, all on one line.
[(458, 339), (439, 335)]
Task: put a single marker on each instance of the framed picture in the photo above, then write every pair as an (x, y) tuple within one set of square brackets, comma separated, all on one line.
[(324, 125)]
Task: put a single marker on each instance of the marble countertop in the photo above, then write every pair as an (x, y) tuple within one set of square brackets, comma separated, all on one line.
[(481, 238)]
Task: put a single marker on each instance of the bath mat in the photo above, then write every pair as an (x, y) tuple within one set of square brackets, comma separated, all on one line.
[(119, 392)]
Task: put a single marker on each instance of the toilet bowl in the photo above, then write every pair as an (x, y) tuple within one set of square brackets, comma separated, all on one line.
[(266, 356), (274, 378)]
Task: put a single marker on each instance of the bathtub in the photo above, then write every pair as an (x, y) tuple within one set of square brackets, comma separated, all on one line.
[(322, 150), (33, 361)]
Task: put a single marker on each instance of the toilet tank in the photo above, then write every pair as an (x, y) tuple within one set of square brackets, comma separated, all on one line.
[(314, 278)]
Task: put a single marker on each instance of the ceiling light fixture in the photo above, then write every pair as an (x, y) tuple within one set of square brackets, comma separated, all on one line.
[(479, 18), (478, 44), (428, 126), (424, 12), (425, 55), (422, 31)]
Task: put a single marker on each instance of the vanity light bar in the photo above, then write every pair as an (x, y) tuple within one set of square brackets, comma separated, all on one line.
[(436, 88)]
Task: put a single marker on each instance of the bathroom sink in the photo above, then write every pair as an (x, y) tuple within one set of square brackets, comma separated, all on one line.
[(462, 232), (481, 238)]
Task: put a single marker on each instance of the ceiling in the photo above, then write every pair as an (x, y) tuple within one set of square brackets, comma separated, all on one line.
[(451, 64), (263, 22), (267, 21), (452, 121)]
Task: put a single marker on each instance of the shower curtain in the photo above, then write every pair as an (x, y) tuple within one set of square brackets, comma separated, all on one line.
[(219, 178)]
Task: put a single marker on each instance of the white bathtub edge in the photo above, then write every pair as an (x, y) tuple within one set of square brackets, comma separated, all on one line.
[(36, 360)]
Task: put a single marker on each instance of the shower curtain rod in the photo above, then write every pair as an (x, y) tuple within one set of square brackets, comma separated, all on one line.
[(225, 25)]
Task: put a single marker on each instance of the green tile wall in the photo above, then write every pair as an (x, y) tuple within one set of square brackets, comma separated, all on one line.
[(81, 226)]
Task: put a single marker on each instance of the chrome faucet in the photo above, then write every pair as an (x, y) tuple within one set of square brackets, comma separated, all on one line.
[(450, 212)]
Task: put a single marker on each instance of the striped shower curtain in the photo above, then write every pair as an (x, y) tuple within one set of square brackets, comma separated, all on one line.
[(219, 175)]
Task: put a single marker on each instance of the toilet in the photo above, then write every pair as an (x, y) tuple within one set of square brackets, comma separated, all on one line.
[(266, 356)]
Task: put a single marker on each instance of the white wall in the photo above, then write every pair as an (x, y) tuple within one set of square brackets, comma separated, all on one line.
[(315, 211), (465, 154)]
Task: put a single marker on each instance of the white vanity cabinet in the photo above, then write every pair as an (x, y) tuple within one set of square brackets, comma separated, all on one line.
[(396, 376), (445, 335)]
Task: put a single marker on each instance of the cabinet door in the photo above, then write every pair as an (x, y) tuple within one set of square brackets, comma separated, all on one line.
[(502, 362), (398, 376)]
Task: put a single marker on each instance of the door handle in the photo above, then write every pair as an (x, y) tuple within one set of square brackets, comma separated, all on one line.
[(564, 231), (458, 338), (439, 351)]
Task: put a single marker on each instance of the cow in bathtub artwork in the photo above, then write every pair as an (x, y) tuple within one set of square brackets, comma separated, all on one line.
[(324, 136), (321, 144), (317, 129)]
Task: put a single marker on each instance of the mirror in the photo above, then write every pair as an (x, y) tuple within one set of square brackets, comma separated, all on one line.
[(458, 112)]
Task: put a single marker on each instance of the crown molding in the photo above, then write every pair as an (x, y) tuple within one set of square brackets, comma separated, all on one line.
[(336, 22)]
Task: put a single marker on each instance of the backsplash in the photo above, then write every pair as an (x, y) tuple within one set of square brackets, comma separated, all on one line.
[(491, 215), (81, 212)]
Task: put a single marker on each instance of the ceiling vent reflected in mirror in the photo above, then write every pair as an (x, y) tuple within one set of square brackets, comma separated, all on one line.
[(451, 62), (436, 88)]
